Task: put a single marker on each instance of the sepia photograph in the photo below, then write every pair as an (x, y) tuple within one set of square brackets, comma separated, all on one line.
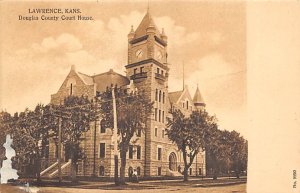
[(143, 96)]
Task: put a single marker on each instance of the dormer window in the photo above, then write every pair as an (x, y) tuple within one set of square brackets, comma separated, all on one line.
[(187, 104), (157, 70)]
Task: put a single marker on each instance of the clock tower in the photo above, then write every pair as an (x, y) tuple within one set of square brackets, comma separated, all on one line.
[(147, 69)]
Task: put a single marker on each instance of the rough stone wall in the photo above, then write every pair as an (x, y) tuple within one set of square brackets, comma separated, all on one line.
[(79, 88)]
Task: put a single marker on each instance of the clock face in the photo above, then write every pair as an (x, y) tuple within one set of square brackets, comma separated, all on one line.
[(139, 53), (159, 55)]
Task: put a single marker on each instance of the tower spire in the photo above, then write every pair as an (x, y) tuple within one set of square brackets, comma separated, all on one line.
[(183, 75)]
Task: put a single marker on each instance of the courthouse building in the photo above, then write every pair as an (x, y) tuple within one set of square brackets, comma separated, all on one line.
[(147, 69)]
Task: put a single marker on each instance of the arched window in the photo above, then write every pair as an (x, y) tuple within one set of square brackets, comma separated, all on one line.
[(101, 171), (156, 94), (71, 86)]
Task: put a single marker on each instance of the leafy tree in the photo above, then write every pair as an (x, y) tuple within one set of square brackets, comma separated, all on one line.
[(217, 151), (188, 133), (30, 132), (76, 113), (238, 153), (133, 110), (5, 119)]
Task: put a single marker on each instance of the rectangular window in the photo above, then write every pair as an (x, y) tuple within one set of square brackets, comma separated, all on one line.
[(157, 70), (130, 151), (155, 132), (135, 71), (156, 95), (200, 171), (155, 114), (159, 153), (187, 104), (141, 69), (159, 171), (163, 116), (102, 150), (159, 114), (138, 152), (162, 72), (182, 105), (159, 96), (163, 133), (139, 133), (102, 127), (163, 97), (191, 171)]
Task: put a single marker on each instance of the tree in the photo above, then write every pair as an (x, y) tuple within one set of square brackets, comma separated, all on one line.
[(76, 113), (188, 134), (5, 119), (133, 111), (217, 151), (30, 131), (238, 153)]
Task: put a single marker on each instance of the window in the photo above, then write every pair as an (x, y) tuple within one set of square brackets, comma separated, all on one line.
[(138, 152), (155, 114), (156, 95), (139, 132), (102, 150), (102, 126), (200, 171), (155, 132), (191, 171), (138, 171), (71, 89), (159, 97), (101, 171), (187, 104), (141, 69), (163, 133), (159, 171), (135, 71), (159, 114), (182, 105), (157, 70), (162, 72), (159, 153), (163, 99), (163, 116), (130, 151)]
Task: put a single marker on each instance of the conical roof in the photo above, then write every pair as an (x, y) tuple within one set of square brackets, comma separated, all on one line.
[(198, 99), (145, 23)]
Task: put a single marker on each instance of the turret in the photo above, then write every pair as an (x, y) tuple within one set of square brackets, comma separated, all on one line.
[(198, 100), (131, 34), (163, 36)]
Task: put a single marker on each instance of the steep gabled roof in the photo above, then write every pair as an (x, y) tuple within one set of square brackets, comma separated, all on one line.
[(109, 78), (174, 96), (145, 23), (88, 80)]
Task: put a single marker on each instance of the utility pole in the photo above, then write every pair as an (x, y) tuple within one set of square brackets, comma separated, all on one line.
[(59, 148), (115, 137)]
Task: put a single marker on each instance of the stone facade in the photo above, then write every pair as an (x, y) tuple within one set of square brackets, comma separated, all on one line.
[(147, 69)]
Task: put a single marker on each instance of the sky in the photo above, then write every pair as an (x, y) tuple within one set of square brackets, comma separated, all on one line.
[(208, 38)]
